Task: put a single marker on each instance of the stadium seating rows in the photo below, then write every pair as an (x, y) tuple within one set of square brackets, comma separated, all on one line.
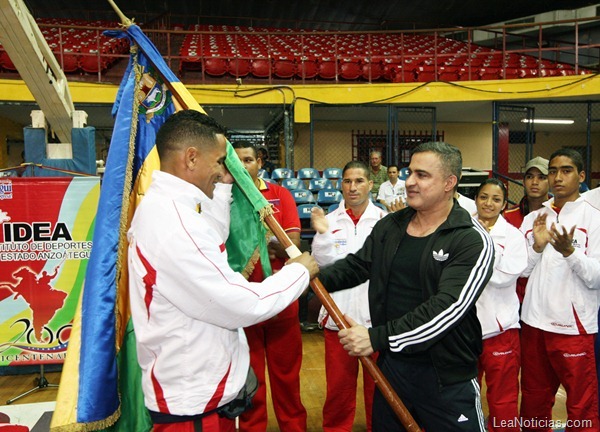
[(75, 47), (262, 52), (308, 185)]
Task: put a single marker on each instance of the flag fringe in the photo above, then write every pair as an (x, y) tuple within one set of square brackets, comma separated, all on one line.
[(128, 184), (92, 426), (264, 212), (251, 264)]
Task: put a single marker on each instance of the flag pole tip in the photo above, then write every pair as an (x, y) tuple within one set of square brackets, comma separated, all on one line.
[(125, 22)]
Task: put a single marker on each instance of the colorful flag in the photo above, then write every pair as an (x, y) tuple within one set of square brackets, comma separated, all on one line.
[(101, 381)]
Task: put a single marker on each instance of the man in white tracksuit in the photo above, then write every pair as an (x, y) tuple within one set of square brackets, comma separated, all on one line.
[(341, 232), (561, 301), (188, 305)]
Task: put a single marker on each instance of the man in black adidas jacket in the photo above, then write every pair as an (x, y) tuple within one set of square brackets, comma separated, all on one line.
[(427, 265)]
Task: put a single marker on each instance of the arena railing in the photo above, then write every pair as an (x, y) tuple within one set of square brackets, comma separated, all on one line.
[(490, 52)]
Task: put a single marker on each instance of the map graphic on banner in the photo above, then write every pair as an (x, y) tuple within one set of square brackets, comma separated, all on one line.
[(46, 227)]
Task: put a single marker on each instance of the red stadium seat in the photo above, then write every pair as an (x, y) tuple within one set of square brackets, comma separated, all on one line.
[(372, 71), (404, 74), (528, 62), (239, 67), (89, 61), (454, 61), (566, 72), (464, 74), (528, 73), (475, 62), (512, 61), (350, 69), (307, 68), (215, 66), (190, 53), (327, 68), (490, 73), (71, 63), (493, 62), (284, 67), (511, 73), (400, 72), (261, 68), (549, 72), (425, 73), (449, 73), (390, 69)]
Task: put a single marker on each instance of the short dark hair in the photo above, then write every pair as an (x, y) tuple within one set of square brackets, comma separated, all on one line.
[(496, 182), (245, 144), (393, 166), (357, 165), (262, 150), (572, 154), (449, 155), (184, 126)]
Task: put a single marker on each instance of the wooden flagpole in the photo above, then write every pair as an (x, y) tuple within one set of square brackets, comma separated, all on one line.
[(368, 363)]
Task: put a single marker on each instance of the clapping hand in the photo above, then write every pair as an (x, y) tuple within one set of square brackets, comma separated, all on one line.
[(562, 242), (318, 220), (541, 235), (396, 205)]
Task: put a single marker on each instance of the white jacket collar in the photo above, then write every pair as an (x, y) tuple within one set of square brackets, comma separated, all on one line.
[(577, 202), (371, 212), (177, 189)]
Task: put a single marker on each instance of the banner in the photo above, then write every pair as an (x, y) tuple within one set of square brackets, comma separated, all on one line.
[(46, 227)]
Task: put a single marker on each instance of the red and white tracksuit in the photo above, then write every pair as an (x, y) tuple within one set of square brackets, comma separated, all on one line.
[(341, 370), (498, 313), (560, 317), (188, 306)]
